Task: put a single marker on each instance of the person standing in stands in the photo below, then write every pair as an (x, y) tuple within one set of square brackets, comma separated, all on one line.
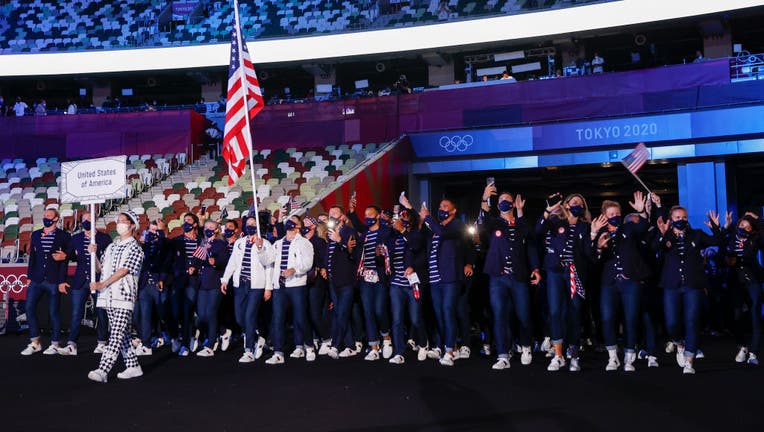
[(20, 107), (598, 64), (227, 314), (317, 285), (511, 263), (447, 270), (341, 268), (152, 289), (684, 280), (47, 276), (80, 287), (251, 267), (617, 243), (293, 257), (745, 243), (185, 282), (566, 262), (213, 258), (375, 279), (118, 289)]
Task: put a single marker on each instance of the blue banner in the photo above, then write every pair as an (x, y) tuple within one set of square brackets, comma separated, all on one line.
[(472, 142)]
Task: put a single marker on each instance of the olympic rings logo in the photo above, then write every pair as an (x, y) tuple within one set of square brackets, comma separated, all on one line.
[(13, 283), (456, 143)]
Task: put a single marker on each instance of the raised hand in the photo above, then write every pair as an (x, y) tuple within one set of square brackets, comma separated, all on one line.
[(639, 202), (352, 204), (402, 200), (423, 212), (654, 197), (598, 224), (752, 214), (489, 191), (519, 202), (728, 220), (713, 219), (603, 241)]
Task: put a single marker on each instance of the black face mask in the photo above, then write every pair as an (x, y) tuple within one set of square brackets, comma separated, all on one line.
[(576, 210), (743, 233), (250, 230), (304, 230), (289, 225), (48, 222), (86, 225), (506, 206), (614, 221), (680, 224)]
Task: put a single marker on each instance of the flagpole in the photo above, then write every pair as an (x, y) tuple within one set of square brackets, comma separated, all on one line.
[(637, 177), (245, 87)]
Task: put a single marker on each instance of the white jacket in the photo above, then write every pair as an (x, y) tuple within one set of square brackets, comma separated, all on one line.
[(300, 259), (261, 265), (121, 254)]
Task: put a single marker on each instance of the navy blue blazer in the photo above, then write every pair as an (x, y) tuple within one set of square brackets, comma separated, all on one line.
[(522, 250), (690, 270), (345, 263), (746, 266), (558, 234), (625, 246), (78, 252), (453, 248), (209, 275), (42, 267), (157, 261), (181, 262)]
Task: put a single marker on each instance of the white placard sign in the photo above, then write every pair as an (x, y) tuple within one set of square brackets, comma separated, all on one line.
[(93, 180)]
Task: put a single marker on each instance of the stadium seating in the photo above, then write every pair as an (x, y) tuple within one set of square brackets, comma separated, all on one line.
[(56, 25)]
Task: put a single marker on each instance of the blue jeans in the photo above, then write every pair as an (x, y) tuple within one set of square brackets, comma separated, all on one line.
[(298, 298), (207, 310), (176, 295), (190, 293), (682, 306), (464, 324), (150, 298), (650, 321), (628, 293), (507, 294), (80, 296), (342, 297), (401, 300), (240, 302), (444, 297), (374, 299), (35, 291), (317, 309), (564, 312), (253, 299)]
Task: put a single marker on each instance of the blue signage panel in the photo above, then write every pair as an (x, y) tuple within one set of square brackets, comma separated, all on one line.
[(472, 142), (726, 122)]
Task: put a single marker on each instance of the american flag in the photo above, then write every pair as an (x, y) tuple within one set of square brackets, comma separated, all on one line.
[(293, 205), (634, 161), (201, 252), (242, 102)]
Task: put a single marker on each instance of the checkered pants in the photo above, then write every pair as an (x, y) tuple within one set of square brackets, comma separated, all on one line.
[(119, 340)]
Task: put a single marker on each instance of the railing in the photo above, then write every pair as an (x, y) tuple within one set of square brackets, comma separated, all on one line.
[(746, 67)]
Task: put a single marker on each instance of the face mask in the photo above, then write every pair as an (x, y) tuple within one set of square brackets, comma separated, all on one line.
[(742, 232), (289, 225), (187, 227), (614, 221), (123, 229), (209, 232), (505, 206), (250, 230), (304, 230), (86, 225), (384, 222), (680, 224), (405, 223), (228, 233), (443, 215), (47, 222), (370, 221), (576, 210)]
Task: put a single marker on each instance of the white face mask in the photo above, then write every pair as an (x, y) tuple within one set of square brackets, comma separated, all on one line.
[(123, 229)]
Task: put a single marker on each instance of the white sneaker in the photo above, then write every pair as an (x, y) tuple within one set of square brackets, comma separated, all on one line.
[(742, 355), (688, 369), (131, 372), (275, 359), (206, 352), (501, 364), (52, 349), (225, 340), (100, 348), (546, 345), (373, 355), (680, 360), (32, 348), (248, 357), (447, 360), (670, 347), (652, 362), (526, 357), (194, 345), (411, 344), (421, 354), (347, 352), (574, 365), (310, 354), (628, 361), (259, 347), (325, 347), (397, 359), (487, 350), (556, 364), (68, 350), (464, 352), (297, 353), (358, 347), (434, 354), (98, 376), (753, 360), (387, 348), (613, 363), (699, 354), (333, 354), (143, 350)]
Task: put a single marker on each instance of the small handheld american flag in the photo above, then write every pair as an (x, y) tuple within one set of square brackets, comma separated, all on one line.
[(635, 160), (293, 205), (201, 252)]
